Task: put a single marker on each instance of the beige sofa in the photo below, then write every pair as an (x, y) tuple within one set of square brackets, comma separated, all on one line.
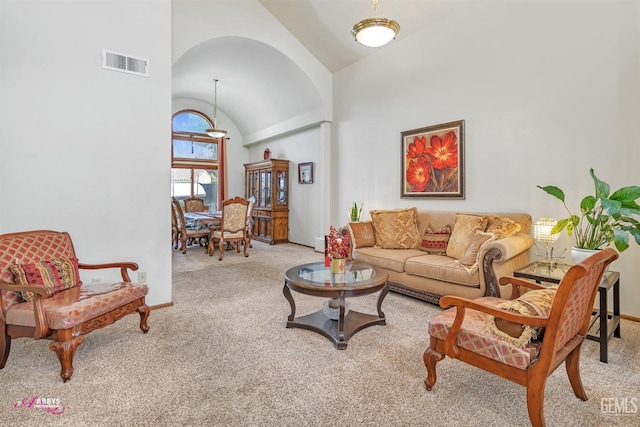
[(429, 276)]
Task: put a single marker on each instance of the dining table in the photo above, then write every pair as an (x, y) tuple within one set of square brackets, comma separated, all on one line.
[(200, 220)]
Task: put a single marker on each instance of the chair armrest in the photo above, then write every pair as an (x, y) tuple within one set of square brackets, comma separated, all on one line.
[(40, 292), (123, 266), (511, 316), (516, 283)]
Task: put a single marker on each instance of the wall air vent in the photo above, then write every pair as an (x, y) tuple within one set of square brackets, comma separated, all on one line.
[(124, 63)]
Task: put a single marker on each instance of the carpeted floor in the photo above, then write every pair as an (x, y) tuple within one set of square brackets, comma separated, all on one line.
[(221, 356)]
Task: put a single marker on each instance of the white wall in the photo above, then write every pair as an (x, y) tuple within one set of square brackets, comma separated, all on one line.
[(83, 149), (306, 201), (547, 90)]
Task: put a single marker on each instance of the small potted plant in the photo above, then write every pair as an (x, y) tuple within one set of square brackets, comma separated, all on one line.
[(605, 217)]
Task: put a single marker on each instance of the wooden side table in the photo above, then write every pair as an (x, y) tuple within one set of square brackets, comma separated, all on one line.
[(608, 325)]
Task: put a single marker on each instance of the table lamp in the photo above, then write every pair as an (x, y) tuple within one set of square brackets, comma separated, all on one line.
[(542, 234)]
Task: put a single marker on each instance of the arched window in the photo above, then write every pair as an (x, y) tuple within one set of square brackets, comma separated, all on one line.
[(194, 158)]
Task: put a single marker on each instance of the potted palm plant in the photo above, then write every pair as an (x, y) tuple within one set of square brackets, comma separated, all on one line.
[(604, 218)]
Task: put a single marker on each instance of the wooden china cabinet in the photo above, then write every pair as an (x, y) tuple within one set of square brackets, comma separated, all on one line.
[(268, 181)]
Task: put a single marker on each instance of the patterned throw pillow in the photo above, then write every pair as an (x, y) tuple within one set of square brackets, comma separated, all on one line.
[(502, 227), (532, 303), (469, 259), (464, 228), (396, 229), (362, 234), (58, 274), (435, 241)]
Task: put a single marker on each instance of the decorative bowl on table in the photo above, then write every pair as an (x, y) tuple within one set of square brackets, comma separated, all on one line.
[(331, 308)]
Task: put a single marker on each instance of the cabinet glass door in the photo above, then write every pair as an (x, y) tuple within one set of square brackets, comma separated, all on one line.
[(282, 188)]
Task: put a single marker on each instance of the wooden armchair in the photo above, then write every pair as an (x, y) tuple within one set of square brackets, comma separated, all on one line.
[(186, 234), (41, 295), (232, 227), (193, 204), (461, 332)]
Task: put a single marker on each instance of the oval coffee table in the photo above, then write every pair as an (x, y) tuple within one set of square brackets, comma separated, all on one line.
[(315, 279)]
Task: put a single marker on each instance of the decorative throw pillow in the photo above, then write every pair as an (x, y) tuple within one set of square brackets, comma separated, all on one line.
[(469, 259), (396, 229), (362, 234), (58, 274), (502, 227), (532, 303), (464, 228), (435, 241)]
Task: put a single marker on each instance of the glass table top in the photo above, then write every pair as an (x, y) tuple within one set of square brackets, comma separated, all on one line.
[(319, 275)]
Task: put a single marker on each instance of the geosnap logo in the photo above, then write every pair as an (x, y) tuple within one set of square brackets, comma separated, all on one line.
[(52, 405)]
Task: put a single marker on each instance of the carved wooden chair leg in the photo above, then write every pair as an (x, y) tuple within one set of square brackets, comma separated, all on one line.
[(220, 245), (245, 248), (535, 400), (572, 363), (65, 351), (5, 346), (143, 310), (431, 357)]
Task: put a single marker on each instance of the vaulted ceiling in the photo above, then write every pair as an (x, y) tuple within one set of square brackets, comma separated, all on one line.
[(259, 86)]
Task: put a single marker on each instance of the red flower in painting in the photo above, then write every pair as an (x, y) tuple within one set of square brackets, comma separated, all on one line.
[(417, 148), (418, 174), (444, 151)]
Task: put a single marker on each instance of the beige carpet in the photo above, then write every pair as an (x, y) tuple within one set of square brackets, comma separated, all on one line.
[(221, 356)]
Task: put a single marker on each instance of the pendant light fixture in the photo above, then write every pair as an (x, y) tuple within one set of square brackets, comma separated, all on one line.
[(375, 32), (215, 132)]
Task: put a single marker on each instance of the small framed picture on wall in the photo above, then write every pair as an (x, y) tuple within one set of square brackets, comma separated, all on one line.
[(305, 173)]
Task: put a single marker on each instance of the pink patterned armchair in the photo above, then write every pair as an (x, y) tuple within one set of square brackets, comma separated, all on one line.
[(480, 332), (41, 295)]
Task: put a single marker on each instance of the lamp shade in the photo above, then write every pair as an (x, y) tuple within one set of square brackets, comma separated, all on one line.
[(542, 230)]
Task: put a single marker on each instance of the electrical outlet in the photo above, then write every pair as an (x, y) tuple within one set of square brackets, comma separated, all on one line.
[(142, 277)]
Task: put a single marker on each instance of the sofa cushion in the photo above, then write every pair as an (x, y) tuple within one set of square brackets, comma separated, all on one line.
[(502, 227), (58, 274), (464, 228), (533, 303), (390, 259), (470, 257), (441, 268), (396, 229), (362, 234), (435, 240)]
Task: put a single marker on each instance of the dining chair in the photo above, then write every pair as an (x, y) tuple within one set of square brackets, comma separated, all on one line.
[(175, 231), (523, 339), (249, 231), (194, 204), (187, 234), (232, 226)]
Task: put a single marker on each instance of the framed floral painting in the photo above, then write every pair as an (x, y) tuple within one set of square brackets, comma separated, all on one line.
[(433, 161)]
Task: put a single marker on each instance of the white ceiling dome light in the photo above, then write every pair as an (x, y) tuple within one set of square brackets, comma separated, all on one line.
[(375, 32)]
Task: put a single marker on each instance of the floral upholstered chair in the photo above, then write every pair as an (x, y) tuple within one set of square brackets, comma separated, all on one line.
[(186, 234), (193, 204), (233, 226), (523, 339)]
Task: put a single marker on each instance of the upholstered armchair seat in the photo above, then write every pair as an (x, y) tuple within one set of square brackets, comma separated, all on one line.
[(475, 337), (77, 305)]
